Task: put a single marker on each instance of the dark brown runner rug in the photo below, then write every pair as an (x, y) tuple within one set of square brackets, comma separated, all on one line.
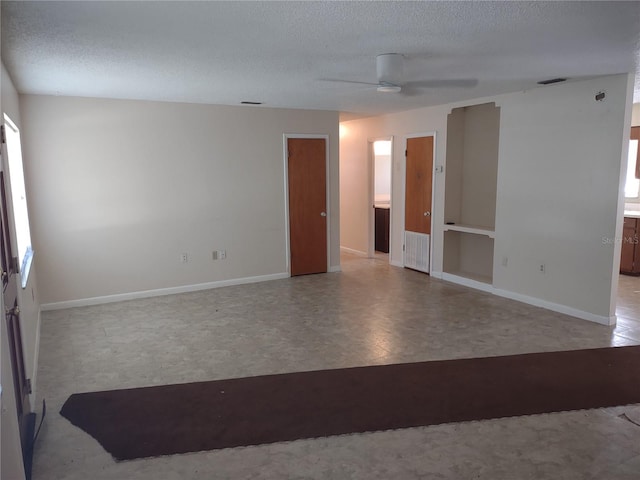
[(151, 421)]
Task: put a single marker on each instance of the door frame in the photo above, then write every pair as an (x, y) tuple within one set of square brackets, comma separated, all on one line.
[(433, 191), (286, 137), (371, 198), (20, 374)]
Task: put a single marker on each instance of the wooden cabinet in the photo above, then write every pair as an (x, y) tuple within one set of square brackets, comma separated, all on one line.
[(382, 230), (630, 256)]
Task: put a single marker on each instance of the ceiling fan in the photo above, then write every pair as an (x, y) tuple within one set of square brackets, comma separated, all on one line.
[(390, 75)]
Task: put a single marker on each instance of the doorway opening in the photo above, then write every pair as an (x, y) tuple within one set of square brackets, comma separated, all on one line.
[(380, 236), (628, 288), (15, 261)]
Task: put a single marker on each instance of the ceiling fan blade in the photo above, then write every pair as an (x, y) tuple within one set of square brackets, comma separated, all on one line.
[(347, 81), (444, 83)]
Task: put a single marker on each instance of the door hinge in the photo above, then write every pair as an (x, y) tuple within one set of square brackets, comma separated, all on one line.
[(403, 248), (29, 389), (3, 137), (406, 153)]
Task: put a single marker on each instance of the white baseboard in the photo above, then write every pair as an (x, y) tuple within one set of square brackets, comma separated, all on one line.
[(396, 263), (536, 302), (335, 268), (84, 302), (468, 282), (354, 252), (556, 307)]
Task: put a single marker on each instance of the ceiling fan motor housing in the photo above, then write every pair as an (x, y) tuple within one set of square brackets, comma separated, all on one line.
[(389, 67)]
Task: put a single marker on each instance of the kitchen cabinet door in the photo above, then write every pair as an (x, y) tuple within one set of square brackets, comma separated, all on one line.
[(628, 262)]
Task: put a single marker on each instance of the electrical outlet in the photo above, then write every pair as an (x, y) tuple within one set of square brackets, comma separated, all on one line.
[(214, 255), (505, 261), (542, 268), (184, 257), (222, 254)]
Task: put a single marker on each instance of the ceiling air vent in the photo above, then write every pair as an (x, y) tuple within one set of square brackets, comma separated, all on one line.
[(251, 103), (552, 81)]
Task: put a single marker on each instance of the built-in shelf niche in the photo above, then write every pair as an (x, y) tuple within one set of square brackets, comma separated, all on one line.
[(468, 255), (470, 192), (472, 166)]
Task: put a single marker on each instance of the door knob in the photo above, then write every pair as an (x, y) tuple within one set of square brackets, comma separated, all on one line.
[(427, 214), (323, 214)]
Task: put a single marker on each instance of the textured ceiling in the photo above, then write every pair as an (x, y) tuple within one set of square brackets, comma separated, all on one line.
[(280, 52)]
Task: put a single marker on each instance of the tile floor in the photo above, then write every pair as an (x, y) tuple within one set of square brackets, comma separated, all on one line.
[(371, 313)]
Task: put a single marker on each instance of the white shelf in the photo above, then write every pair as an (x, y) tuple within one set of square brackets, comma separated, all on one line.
[(459, 227)]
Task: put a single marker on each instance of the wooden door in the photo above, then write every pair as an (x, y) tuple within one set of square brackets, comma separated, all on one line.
[(418, 187), (307, 183), (419, 184), (12, 317)]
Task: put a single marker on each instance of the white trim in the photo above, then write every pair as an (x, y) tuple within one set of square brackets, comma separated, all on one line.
[(556, 307), (433, 189), (327, 187), (334, 269), (353, 251), (120, 297), (395, 263)]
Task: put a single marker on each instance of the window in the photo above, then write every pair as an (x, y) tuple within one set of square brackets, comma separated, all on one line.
[(18, 198), (632, 186)]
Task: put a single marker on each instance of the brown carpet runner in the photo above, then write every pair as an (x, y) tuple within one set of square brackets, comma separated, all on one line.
[(163, 420)]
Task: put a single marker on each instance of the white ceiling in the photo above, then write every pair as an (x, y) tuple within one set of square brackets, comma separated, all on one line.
[(279, 52)]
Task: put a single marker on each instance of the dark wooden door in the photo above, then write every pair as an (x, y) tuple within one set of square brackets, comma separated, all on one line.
[(419, 181), (307, 177), (382, 230), (628, 245), (12, 317)]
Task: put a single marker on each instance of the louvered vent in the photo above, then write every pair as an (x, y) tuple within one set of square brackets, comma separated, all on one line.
[(416, 251)]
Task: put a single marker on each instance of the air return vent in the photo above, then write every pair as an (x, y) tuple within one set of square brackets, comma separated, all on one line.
[(552, 81), (416, 251)]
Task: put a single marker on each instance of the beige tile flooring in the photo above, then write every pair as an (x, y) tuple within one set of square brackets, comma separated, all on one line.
[(371, 313)]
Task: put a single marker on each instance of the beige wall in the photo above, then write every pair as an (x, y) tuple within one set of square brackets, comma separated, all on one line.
[(10, 451), (635, 115), (122, 188), (558, 194)]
